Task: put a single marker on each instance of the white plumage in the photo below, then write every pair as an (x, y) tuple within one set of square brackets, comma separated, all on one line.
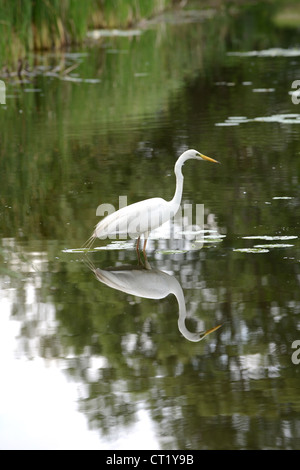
[(142, 217)]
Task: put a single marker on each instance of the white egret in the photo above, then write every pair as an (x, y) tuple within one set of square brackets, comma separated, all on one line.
[(142, 217)]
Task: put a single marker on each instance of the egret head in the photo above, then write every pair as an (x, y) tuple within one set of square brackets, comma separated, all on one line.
[(198, 156)]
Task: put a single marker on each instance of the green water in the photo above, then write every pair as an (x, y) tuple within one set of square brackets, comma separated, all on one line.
[(86, 365)]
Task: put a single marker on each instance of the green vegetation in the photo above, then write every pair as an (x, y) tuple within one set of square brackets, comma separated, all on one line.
[(120, 13), (28, 25), (35, 25), (288, 16), (44, 24)]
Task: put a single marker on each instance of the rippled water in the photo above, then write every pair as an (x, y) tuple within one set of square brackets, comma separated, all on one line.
[(200, 352)]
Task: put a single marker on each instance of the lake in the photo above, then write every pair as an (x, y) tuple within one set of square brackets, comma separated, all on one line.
[(97, 353)]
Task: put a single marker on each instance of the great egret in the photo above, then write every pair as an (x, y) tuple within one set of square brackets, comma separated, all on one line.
[(142, 217)]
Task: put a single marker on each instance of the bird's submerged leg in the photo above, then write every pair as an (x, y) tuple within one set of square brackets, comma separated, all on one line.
[(89, 243), (144, 248), (138, 250), (147, 265)]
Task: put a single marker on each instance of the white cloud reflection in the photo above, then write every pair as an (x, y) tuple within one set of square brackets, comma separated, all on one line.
[(38, 405)]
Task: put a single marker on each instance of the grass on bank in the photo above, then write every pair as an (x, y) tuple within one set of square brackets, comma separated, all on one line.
[(27, 25)]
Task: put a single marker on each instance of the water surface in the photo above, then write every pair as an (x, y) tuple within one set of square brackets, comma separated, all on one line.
[(85, 364)]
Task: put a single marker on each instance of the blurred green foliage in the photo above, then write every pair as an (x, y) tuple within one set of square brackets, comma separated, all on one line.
[(45, 24)]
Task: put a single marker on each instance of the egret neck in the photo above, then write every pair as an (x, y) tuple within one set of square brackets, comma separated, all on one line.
[(175, 202)]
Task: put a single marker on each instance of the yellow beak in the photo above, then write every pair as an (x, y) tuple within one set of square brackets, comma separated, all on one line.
[(211, 330), (208, 158)]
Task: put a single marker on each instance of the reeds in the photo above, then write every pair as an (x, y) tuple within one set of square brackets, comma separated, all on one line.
[(125, 13), (42, 24), (27, 25)]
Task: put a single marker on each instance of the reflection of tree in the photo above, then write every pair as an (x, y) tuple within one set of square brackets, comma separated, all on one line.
[(123, 351), (138, 344)]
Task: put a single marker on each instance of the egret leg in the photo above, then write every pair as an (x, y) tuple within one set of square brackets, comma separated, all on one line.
[(138, 250), (144, 248), (147, 265)]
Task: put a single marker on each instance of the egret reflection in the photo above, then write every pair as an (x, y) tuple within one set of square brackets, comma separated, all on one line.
[(149, 284)]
